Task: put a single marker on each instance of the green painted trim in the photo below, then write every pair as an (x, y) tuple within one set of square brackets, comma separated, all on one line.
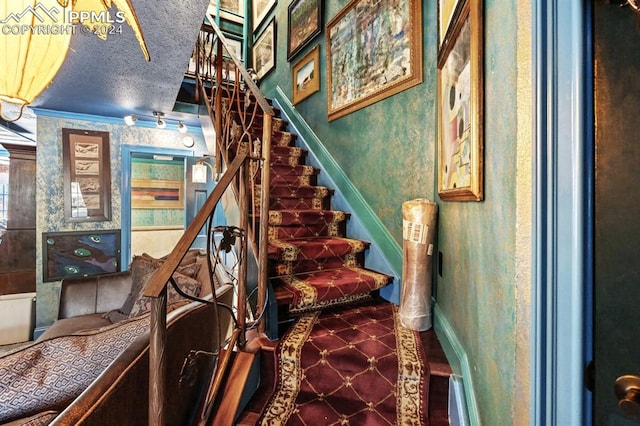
[(458, 360), (379, 233)]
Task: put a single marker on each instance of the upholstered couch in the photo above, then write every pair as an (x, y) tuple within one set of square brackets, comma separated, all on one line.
[(91, 366)]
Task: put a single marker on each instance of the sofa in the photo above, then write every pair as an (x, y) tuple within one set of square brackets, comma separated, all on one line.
[(92, 365)]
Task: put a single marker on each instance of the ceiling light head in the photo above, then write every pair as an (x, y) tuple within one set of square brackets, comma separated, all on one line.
[(160, 119), (130, 119), (182, 128)]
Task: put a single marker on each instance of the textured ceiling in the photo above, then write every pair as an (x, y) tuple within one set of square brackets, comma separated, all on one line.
[(112, 78)]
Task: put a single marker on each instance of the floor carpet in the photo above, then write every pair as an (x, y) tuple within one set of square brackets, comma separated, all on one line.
[(354, 365)]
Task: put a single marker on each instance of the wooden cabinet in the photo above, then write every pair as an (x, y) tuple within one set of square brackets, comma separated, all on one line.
[(18, 247)]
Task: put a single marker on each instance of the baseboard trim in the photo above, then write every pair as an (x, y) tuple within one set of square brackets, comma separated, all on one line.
[(389, 253), (457, 357)]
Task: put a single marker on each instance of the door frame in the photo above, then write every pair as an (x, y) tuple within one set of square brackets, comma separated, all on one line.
[(129, 151), (562, 290)]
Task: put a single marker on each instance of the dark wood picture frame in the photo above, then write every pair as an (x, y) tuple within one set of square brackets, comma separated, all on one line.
[(260, 9), (87, 175), (80, 253), (264, 51), (391, 35), (305, 22)]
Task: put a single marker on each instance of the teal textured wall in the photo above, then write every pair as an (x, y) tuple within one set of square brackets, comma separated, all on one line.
[(49, 185), (389, 150)]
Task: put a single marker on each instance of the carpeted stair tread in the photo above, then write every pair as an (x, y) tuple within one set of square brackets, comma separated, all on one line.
[(313, 248), (313, 290), (305, 217), (351, 260), (287, 197), (288, 151), (289, 170), (302, 191), (333, 229)]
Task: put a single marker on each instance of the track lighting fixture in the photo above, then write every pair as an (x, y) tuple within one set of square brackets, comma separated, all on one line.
[(158, 118), (130, 120)]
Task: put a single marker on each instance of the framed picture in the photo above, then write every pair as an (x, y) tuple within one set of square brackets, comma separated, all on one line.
[(259, 11), (306, 80), (235, 46), (264, 51), (460, 116), (446, 11), (86, 175), (81, 253), (157, 194), (232, 10), (373, 51), (305, 22)]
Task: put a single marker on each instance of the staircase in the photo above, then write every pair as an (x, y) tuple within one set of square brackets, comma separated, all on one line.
[(312, 262)]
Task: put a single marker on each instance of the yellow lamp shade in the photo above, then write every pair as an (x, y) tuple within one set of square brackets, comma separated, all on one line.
[(34, 41), (35, 37)]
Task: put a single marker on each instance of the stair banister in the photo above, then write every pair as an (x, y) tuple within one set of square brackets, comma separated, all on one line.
[(156, 290), (268, 113)]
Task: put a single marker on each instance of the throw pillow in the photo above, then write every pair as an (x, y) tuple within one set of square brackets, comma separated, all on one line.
[(186, 284), (141, 269)]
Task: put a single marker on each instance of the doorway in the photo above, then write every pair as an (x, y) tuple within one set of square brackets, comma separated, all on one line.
[(154, 199), (616, 42)]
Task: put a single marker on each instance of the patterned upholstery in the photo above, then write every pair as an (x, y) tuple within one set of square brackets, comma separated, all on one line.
[(49, 374)]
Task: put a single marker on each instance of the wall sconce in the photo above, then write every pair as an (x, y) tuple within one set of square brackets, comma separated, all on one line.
[(159, 118), (199, 171)]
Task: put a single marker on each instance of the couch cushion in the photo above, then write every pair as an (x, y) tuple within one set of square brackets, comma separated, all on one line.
[(65, 326)]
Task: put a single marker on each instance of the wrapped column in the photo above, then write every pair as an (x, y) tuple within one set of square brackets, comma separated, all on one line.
[(419, 220)]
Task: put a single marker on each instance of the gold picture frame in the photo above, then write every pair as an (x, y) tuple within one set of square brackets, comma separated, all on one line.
[(157, 194), (393, 59), (306, 78), (460, 114), (447, 9)]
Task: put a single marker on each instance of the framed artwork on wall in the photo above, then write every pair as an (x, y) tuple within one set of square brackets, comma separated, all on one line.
[(373, 51), (232, 10), (305, 22), (86, 175), (446, 11), (80, 253), (264, 51), (259, 11), (157, 194), (460, 115), (306, 80)]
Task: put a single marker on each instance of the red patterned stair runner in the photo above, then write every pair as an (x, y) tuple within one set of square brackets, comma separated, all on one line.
[(355, 366), (313, 264)]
